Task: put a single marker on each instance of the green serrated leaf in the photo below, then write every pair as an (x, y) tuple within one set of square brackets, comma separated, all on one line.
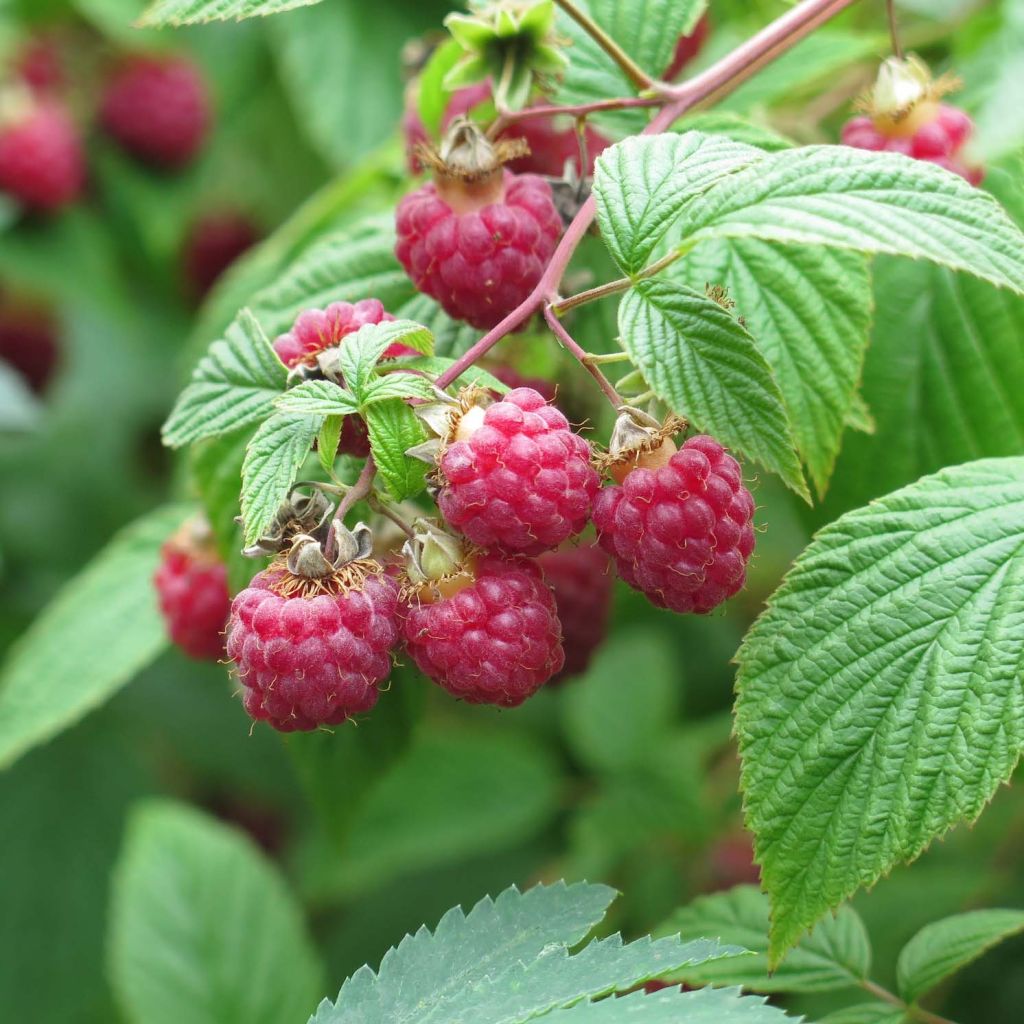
[(937, 378), (944, 947), (707, 1006), (836, 955), (432, 96), (810, 311), (393, 430), (191, 12), (706, 367), (203, 928), (362, 351), (99, 631), (642, 184), (397, 385), (871, 202), (879, 698), (505, 962), (327, 442), (233, 386), (317, 398), (272, 462)]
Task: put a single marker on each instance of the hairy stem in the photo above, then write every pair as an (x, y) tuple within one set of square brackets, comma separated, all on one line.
[(894, 32), (622, 284), (570, 345), (512, 117), (913, 1011), (385, 508), (726, 74), (629, 67)]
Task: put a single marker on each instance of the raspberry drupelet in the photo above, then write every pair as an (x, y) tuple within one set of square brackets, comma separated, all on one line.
[(680, 524), (477, 238), (192, 586), (311, 637), (486, 629), (158, 109), (512, 474)]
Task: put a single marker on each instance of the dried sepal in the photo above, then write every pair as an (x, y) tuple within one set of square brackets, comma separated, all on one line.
[(301, 514)]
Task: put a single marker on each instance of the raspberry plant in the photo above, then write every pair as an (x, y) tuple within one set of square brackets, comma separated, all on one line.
[(588, 337)]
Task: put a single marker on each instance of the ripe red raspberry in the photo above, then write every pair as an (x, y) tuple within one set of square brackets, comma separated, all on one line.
[(687, 47), (495, 639), (581, 579), (192, 587), (515, 476), (29, 341), (682, 533), (478, 238), (158, 109), (42, 164), (308, 655), (39, 64), (213, 243)]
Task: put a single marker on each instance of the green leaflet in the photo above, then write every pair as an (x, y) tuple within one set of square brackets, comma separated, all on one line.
[(233, 386), (871, 202), (91, 640), (879, 697), (704, 365), (203, 928), (836, 955), (191, 12), (707, 1006), (272, 462), (810, 311), (393, 430), (943, 947), (507, 961)]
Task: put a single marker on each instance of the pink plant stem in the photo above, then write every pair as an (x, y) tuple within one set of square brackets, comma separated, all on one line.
[(360, 489), (570, 345), (574, 110), (730, 71)]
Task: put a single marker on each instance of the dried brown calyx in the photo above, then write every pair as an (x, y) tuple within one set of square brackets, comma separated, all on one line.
[(468, 166), (905, 96), (300, 514), (437, 564), (336, 565), (639, 441)]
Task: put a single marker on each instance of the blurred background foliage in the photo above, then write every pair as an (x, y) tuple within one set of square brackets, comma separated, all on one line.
[(626, 776)]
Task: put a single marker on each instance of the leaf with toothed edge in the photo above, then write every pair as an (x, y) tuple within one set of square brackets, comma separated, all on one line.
[(191, 12), (705, 1006), (705, 366), (507, 961), (272, 462), (317, 398), (879, 694), (361, 352), (394, 429)]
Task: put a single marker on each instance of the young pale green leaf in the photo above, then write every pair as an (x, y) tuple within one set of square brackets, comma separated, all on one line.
[(943, 947), (191, 12), (99, 631), (272, 462), (866, 1013), (938, 379), (317, 398), (648, 29), (397, 385), (704, 365), (642, 184), (837, 954), (362, 351), (505, 962), (234, 385), (434, 366), (879, 697), (810, 311), (611, 727), (203, 928), (706, 1006), (847, 198), (393, 431), (327, 442)]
